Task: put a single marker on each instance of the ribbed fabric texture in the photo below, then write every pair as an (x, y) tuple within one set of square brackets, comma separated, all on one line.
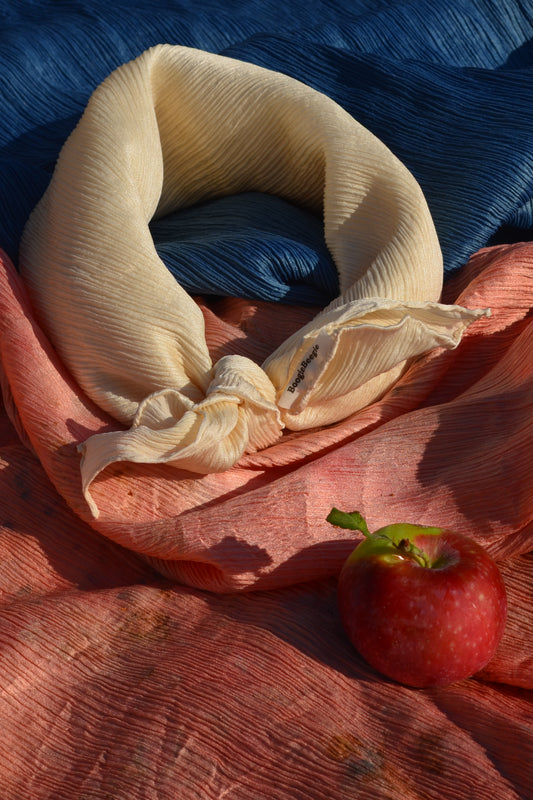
[(186, 645), (447, 87), (249, 245), (170, 129)]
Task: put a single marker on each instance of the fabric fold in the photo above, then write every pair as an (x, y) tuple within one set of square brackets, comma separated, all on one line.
[(237, 416), (336, 362), (178, 126)]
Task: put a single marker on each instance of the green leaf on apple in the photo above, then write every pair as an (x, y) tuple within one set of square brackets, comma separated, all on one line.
[(352, 520)]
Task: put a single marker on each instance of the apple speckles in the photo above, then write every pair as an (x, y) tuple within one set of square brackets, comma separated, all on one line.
[(421, 625)]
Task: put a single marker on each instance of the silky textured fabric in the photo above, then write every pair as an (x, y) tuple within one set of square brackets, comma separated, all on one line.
[(172, 128), (405, 70), (238, 237), (431, 449), (144, 683), (186, 642)]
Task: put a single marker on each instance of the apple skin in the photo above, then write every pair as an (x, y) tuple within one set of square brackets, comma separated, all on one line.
[(422, 625)]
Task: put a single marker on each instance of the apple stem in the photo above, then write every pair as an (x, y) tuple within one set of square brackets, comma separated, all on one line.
[(412, 551), (354, 521)]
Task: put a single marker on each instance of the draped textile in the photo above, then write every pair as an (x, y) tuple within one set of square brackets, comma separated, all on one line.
[(172, 128), (185, 642)]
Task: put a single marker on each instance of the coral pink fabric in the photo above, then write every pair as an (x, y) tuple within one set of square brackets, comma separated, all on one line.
[(450, 444), (120, 680)]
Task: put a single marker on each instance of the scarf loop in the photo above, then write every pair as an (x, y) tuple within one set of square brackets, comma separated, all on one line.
[(178, 126)]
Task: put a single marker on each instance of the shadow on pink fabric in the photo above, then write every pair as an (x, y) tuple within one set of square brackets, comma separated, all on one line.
[(449, 444), (120, 680), (180, 126)]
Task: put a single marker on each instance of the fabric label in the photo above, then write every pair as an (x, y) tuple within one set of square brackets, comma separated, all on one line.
[(309, 369)]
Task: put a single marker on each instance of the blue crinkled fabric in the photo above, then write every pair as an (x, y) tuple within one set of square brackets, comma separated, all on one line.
[(448, 87)]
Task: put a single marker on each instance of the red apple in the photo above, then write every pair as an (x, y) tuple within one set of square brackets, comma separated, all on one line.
[(424, 606)]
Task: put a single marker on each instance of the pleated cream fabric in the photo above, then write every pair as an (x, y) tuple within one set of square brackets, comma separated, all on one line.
[(177, 126)]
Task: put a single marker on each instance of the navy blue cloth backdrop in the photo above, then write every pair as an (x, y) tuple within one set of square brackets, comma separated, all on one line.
[(447, 86)]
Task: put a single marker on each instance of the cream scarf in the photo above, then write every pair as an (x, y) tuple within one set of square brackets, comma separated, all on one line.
[(177, 126)]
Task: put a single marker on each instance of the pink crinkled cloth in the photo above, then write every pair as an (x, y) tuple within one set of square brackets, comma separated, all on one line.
[(449, 444), (185, 642)]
